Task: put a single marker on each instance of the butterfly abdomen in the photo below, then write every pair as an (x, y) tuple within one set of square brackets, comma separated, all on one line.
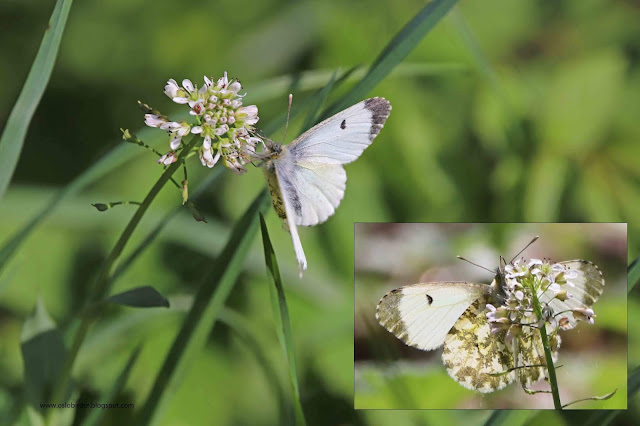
[(276, 196)]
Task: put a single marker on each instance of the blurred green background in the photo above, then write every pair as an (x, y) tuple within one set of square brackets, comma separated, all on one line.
[(389, 374), (506, 111)]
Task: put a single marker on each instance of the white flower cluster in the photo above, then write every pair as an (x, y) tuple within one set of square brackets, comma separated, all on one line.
[(223, 123), (548, 282)]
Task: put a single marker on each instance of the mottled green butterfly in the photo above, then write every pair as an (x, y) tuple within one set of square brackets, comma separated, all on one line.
[(476, 355)]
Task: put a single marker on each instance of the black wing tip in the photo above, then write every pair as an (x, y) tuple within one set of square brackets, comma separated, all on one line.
[(380, 108)]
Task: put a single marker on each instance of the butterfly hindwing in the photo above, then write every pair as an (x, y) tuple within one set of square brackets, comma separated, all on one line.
[(314, 189), (587, 287), (421, 315), (475, 357)]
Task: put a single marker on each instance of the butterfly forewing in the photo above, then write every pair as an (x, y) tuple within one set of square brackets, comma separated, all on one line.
[(341, 138), (421, 315)]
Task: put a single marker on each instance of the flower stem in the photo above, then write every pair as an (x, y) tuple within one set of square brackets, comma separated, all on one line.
[(547, 353), (101, 287)]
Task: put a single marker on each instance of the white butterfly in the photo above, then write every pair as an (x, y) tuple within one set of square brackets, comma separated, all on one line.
[(306, 177), (429, 315)]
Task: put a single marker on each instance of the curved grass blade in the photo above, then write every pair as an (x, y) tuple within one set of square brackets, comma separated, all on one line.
[(281, 315), (243, 330), (394, 53), (18, 122), (633, 274), (95, 416), (212, 294), (592, 398), (126, 152), (605, 417), (318, 100)]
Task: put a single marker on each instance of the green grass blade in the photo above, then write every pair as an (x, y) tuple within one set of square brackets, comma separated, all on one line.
[(95, 416), (211, 296), (245, 333), (633, 274), (281, 314), (314, 102), (395, 52), (318, 100), (18, 122), (633, 382), (497, 418)]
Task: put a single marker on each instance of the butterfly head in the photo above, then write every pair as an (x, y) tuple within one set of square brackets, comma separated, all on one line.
[(272, 149), (499, 284)]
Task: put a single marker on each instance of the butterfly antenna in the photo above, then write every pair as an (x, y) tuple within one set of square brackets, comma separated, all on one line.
[(525, 247), (286, 126), (475, 264)]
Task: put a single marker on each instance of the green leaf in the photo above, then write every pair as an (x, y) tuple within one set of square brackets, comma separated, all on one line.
[(140, 297), (43, 354), (395, 52), (633, 274), (95, 416), (281, 314), (212, 294), (16, 128)]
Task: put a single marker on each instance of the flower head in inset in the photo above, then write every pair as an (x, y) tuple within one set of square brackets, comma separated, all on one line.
[(541, 281)]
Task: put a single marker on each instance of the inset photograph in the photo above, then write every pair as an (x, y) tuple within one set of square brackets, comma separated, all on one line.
[(490, 316)]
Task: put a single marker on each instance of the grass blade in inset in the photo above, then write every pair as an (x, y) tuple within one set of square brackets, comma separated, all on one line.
[(212, 294), (96, 415), (281, 314), (15, 130), (395, 52)]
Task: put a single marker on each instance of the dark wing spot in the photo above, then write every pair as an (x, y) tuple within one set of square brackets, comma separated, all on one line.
[(380, 109), (429, 299), (343, 125)]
